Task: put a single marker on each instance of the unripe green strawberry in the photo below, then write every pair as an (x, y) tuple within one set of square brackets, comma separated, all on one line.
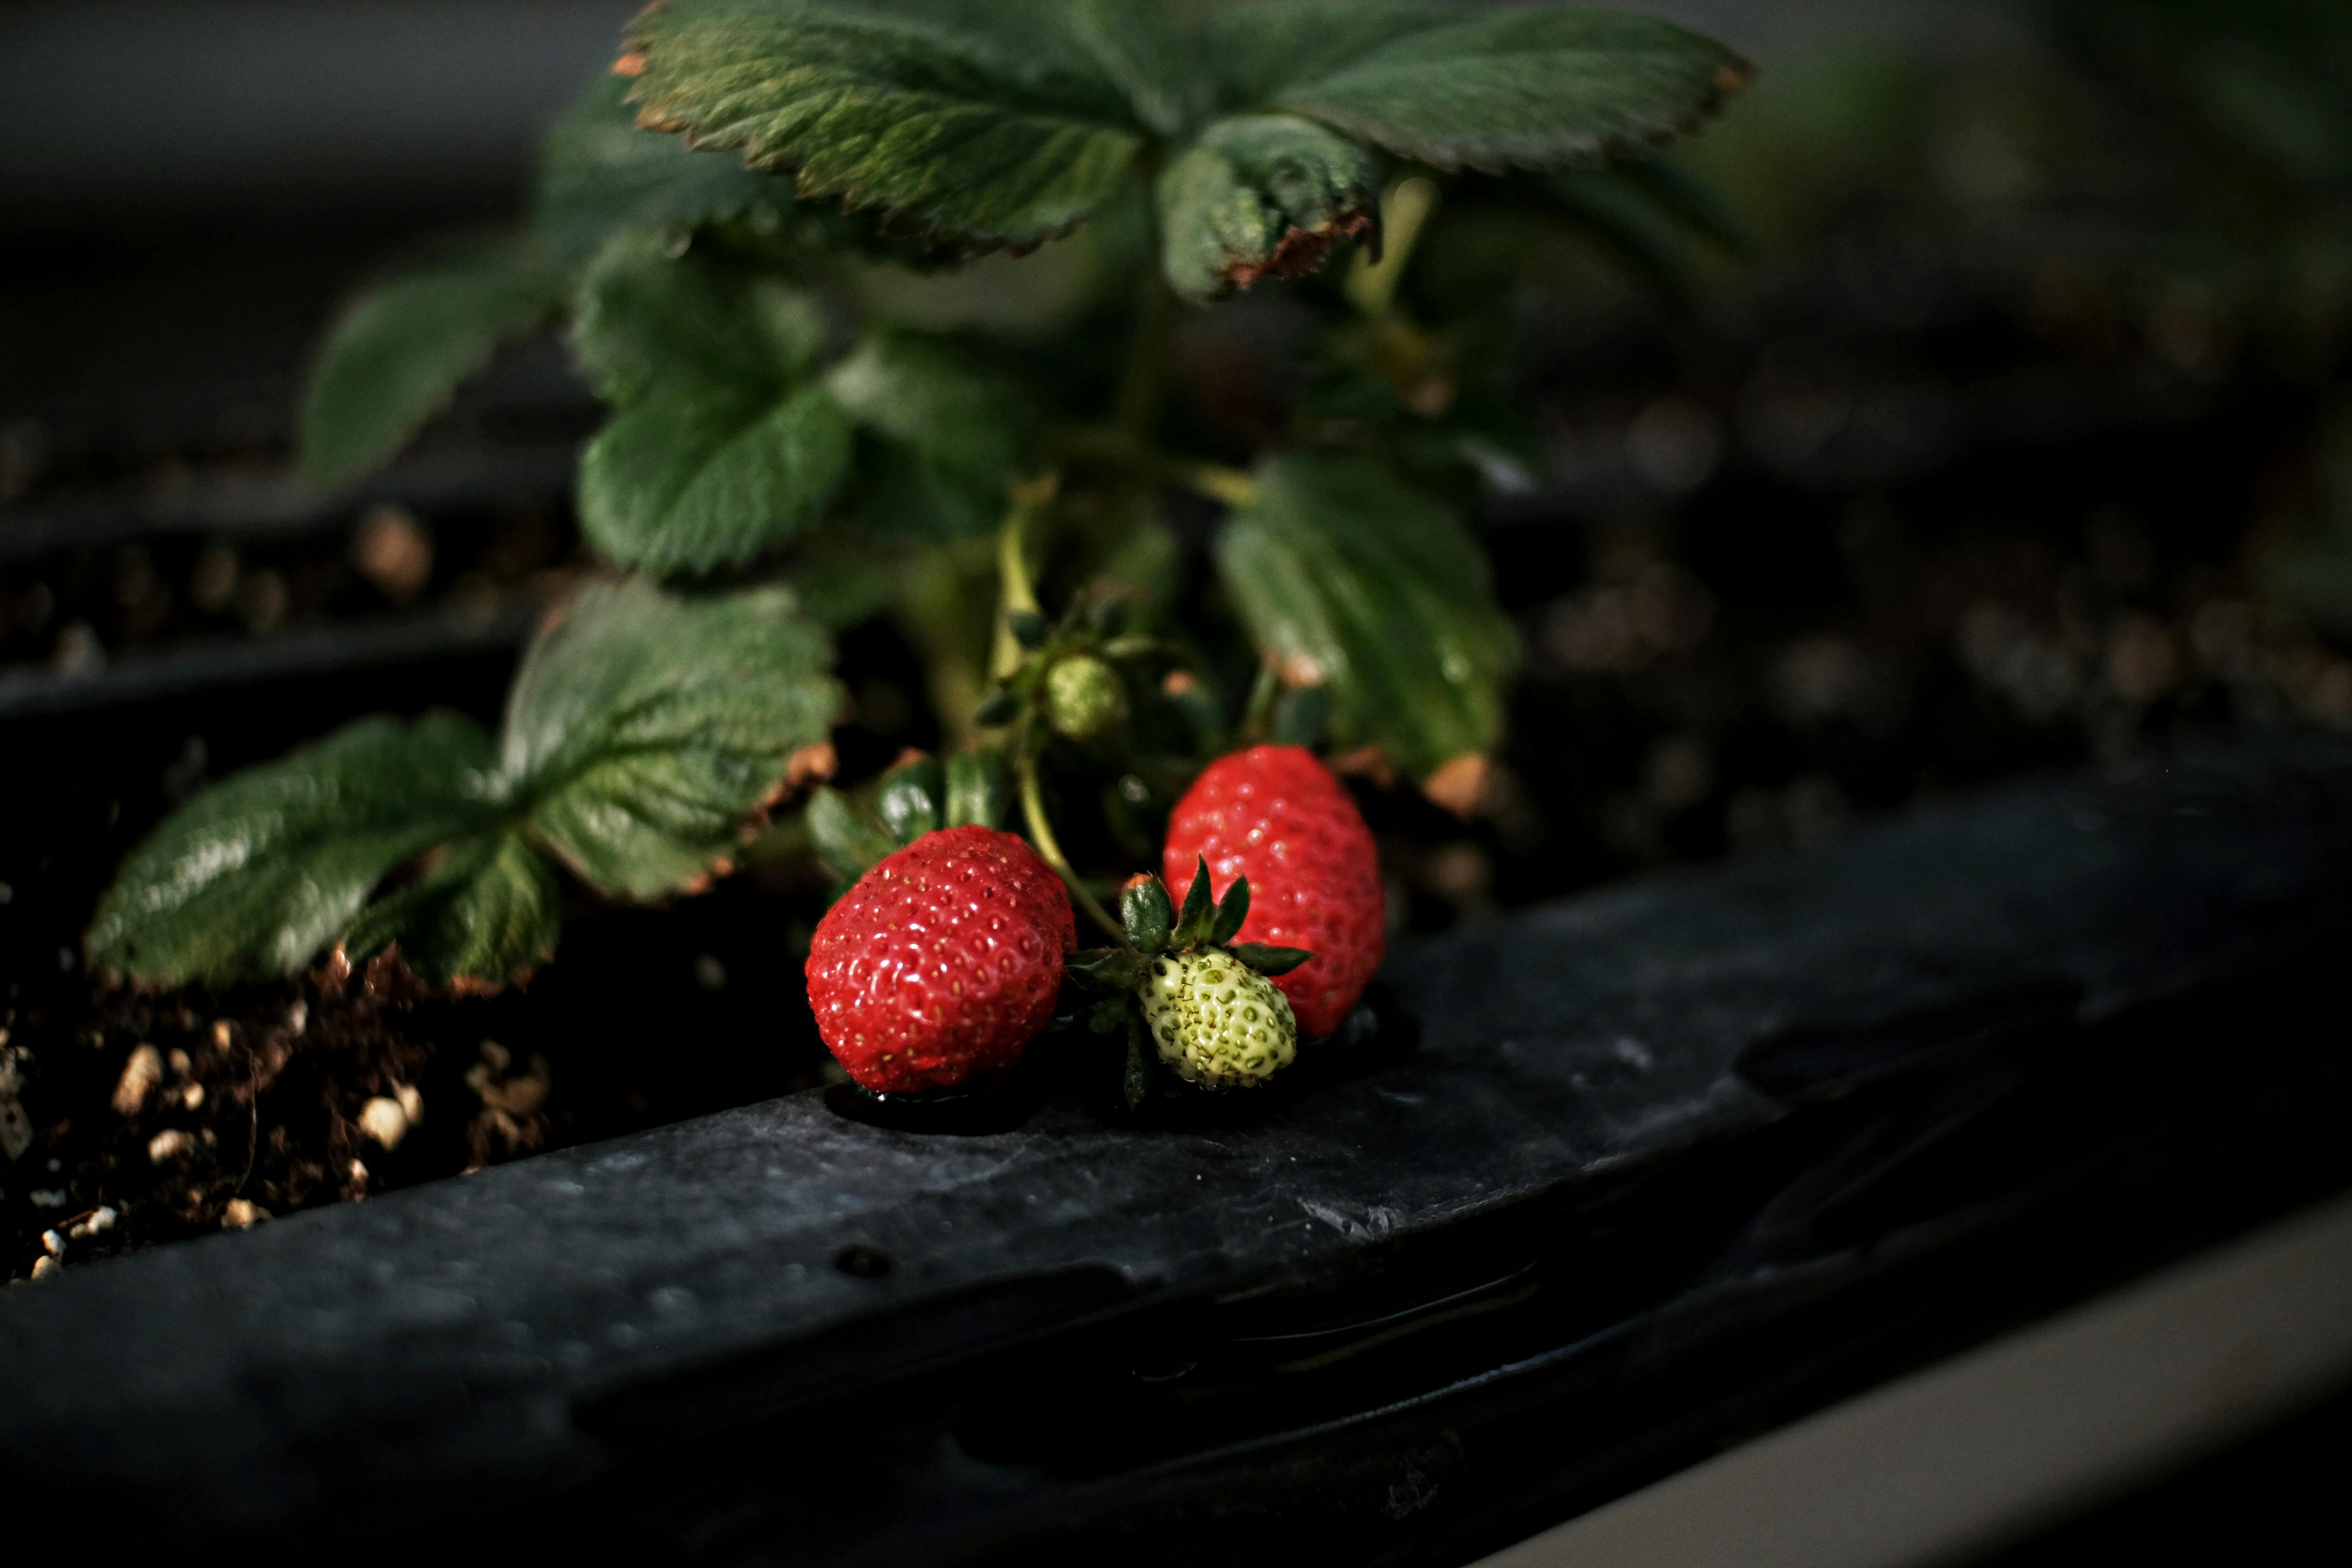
[(1217, 1021), (1083, 695)]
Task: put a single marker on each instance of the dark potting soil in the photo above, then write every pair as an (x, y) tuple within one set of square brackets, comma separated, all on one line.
[(157, 1116)]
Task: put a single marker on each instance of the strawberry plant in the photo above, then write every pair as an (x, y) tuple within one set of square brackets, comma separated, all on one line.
[(1109, 590)]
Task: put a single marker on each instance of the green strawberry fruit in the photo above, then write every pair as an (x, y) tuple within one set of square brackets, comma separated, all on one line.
[(1215, 1020), (1083, 696)]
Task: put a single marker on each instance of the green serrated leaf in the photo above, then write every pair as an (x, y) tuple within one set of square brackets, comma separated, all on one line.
[(1198, 913), (1536, 88), (1028, 629), (650, 731), (647, 320), (996, 709), (254, 877), (951, 433), (399, 352), (848, 844), (1232, 910), (690, 479), (993, 122), (489, 913), (1346, 575), (980, 791), (600, 174), (843, 580), (1144, 911), (913, 799), (722, 448), (1259, 195), (1267, 960)]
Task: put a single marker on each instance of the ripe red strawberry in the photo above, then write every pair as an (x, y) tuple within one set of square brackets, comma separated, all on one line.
[(1277, 815), (941, 962)]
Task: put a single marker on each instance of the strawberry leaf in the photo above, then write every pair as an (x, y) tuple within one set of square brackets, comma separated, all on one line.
[(648, 731), (1268, 960), (1344, 576), (692, 479), (398, 354), (600, 174), (723, 447), (1537, 88), (1261, 193), (946, 437), (489, 913), (645, 318), (252, 877), (1232, 910), (991, 122)]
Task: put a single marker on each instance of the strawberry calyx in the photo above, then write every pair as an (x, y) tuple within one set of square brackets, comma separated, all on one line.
[(1193, 1002)]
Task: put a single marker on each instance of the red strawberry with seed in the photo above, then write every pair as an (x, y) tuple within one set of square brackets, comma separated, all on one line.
[(1277, 815), (941, 962)]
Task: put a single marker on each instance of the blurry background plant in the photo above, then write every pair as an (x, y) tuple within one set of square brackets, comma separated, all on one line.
[(2003, 427)]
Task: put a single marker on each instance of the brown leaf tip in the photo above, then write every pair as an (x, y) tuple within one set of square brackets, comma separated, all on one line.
[(631, 64), (1301, 250)]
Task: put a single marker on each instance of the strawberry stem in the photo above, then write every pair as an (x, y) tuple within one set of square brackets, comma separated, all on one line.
[(1041, 832), (1016, 591)]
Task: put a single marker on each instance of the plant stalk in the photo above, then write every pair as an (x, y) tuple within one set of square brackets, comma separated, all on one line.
[(1040, 833), (1143, 378), (1017, 589)]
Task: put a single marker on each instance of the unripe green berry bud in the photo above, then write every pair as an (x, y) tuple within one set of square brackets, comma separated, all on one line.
[(1083, 696), (1216, 1021)]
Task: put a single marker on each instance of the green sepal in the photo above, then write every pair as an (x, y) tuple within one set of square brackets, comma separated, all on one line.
[(979, 790), (912, 799), (1300, 716), (491, 912), (1106, 1016), (1144, 908), (1028, 629), (846, 843), (1233, 909), (1109, 618), (998, 709), (1198, 915), (1114, 969), (1267, 960)]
